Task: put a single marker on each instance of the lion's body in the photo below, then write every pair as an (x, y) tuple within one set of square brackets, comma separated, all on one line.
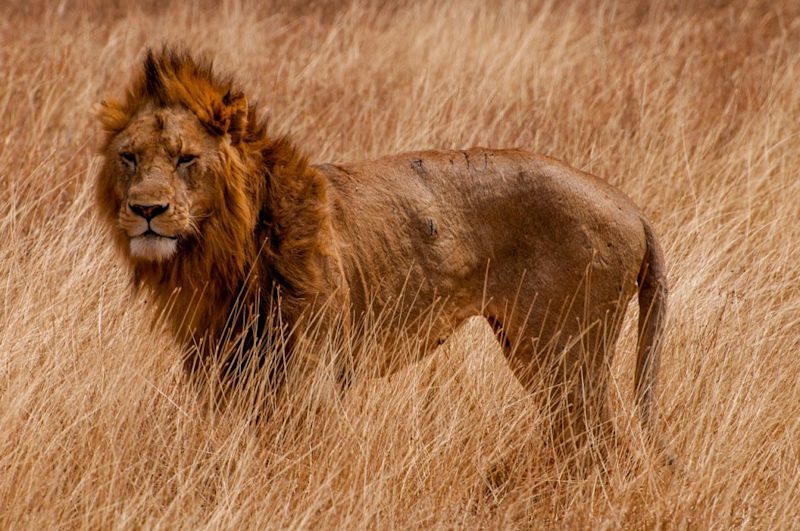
[(480, 230), (548, 254)]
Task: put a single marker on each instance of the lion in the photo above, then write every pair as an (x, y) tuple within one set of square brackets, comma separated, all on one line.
[(209, 209)]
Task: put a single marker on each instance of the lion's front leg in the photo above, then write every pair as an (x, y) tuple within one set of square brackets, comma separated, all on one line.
[(319, 356)]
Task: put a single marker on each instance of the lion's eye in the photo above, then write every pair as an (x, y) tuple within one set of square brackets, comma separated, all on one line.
[(128, 158), (186, 160)]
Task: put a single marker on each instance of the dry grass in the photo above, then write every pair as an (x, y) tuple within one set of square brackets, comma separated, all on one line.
[(691, 109)]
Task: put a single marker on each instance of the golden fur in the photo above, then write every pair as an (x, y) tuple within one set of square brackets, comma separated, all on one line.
[(549, 255)]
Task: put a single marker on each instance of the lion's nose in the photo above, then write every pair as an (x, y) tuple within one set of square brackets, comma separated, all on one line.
[(148, 212)]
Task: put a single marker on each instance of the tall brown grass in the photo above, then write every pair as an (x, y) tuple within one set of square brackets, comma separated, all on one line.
[(690, 107)]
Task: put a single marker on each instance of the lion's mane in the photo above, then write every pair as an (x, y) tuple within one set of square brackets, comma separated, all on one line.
[(272, 214)]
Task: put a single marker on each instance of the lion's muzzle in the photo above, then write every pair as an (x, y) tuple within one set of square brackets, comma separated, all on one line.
[(149, 240)]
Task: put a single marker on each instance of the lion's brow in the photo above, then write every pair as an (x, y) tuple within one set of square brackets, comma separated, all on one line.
[(171, 144), (172, 141)]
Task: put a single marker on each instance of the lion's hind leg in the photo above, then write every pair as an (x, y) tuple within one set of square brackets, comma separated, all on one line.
[(565, 371)]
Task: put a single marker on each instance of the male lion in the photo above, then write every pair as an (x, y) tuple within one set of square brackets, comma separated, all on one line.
[(212, 211)]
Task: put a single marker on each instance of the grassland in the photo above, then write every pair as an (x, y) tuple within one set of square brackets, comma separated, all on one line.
[(691, 108)]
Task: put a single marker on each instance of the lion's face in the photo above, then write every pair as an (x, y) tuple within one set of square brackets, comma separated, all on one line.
[(160, 172)]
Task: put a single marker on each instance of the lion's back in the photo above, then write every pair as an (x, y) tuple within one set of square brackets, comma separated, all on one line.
[(442, 216), (506, 191)]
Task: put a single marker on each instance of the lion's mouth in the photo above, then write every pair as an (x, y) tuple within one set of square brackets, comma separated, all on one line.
[(150, 233)]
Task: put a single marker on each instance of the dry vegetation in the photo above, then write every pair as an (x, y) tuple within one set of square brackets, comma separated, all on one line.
[(691, 109)]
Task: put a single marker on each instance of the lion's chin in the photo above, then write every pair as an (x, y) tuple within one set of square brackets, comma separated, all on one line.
[(153, 248)]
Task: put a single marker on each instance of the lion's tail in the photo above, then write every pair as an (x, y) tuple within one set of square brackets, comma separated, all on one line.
[(652, 316)]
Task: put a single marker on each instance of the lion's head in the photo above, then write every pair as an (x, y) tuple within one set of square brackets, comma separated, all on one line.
[(170, 159), (195, 191), (161, 180)]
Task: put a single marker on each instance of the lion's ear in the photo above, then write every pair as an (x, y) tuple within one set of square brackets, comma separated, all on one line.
[(234, 114)]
